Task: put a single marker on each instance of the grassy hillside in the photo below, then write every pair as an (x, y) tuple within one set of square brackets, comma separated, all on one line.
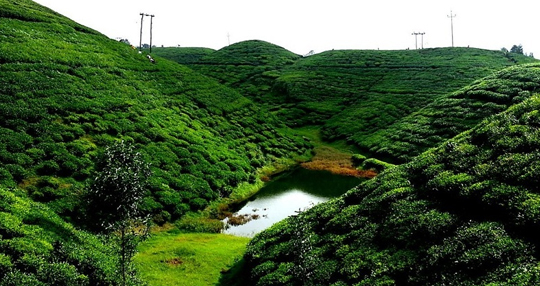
[(188, 259), (464, 213), (452, 114), (352, 94), (67, 91)]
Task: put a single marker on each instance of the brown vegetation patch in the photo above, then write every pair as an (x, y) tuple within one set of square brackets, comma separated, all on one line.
[(265, 178), (173, 261), (330, 159), (240, 219)]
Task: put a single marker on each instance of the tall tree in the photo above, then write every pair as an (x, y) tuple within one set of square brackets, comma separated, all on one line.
[(115, 198)]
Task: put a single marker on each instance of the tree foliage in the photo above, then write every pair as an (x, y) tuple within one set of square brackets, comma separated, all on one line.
[(117, 192), (115, 201), (517, 49)]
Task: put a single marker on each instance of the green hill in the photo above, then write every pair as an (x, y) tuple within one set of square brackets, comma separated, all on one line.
[(351, 94), (250, 67), (464, 213), (66, 92)]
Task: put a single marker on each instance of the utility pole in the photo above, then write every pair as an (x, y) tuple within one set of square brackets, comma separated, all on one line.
[(140, 37), (229, 38), (151, 18), (452, 16), (416, 39), (151, 23)]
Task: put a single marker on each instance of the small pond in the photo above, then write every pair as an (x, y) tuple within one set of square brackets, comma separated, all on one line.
[(286, 195)]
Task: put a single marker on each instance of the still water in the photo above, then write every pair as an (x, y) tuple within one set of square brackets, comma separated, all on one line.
[(284, 196)]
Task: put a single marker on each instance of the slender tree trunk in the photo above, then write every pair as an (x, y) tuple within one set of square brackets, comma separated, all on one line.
[(123, 254)]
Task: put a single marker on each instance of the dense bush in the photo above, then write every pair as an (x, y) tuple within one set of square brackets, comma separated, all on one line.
[(374, 164)]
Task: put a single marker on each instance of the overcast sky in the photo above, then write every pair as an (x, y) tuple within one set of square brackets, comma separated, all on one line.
[(301, 26)]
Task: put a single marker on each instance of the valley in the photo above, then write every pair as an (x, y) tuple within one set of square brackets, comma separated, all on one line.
[(439, 148)]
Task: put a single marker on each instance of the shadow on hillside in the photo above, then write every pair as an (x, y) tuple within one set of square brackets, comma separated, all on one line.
[(237, 275)]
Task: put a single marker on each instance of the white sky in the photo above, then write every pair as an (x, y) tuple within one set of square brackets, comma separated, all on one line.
[(301, 26)]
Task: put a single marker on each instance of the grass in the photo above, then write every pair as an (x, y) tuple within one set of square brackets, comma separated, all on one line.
[(188, 259)]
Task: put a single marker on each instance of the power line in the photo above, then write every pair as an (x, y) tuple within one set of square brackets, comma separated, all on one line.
[(452, 16)]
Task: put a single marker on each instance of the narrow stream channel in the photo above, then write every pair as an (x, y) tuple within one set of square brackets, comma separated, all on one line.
[(282, 197)]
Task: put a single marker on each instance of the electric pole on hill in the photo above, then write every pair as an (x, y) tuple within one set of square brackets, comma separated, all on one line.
[(151, 23), (151, 18), (416, 39), (452, 16), (140, 37)]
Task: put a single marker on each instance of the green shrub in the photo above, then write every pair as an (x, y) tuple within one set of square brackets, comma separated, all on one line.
[(199, 224), (375, 164), (358, 159)]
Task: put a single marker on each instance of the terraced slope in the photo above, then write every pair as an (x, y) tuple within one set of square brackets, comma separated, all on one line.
[(183, 55), (452, 114), (464, 213), (67, 91), (250, 67)]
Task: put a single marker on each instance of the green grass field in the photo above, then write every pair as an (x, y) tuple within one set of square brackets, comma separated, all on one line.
[(169, 258)]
